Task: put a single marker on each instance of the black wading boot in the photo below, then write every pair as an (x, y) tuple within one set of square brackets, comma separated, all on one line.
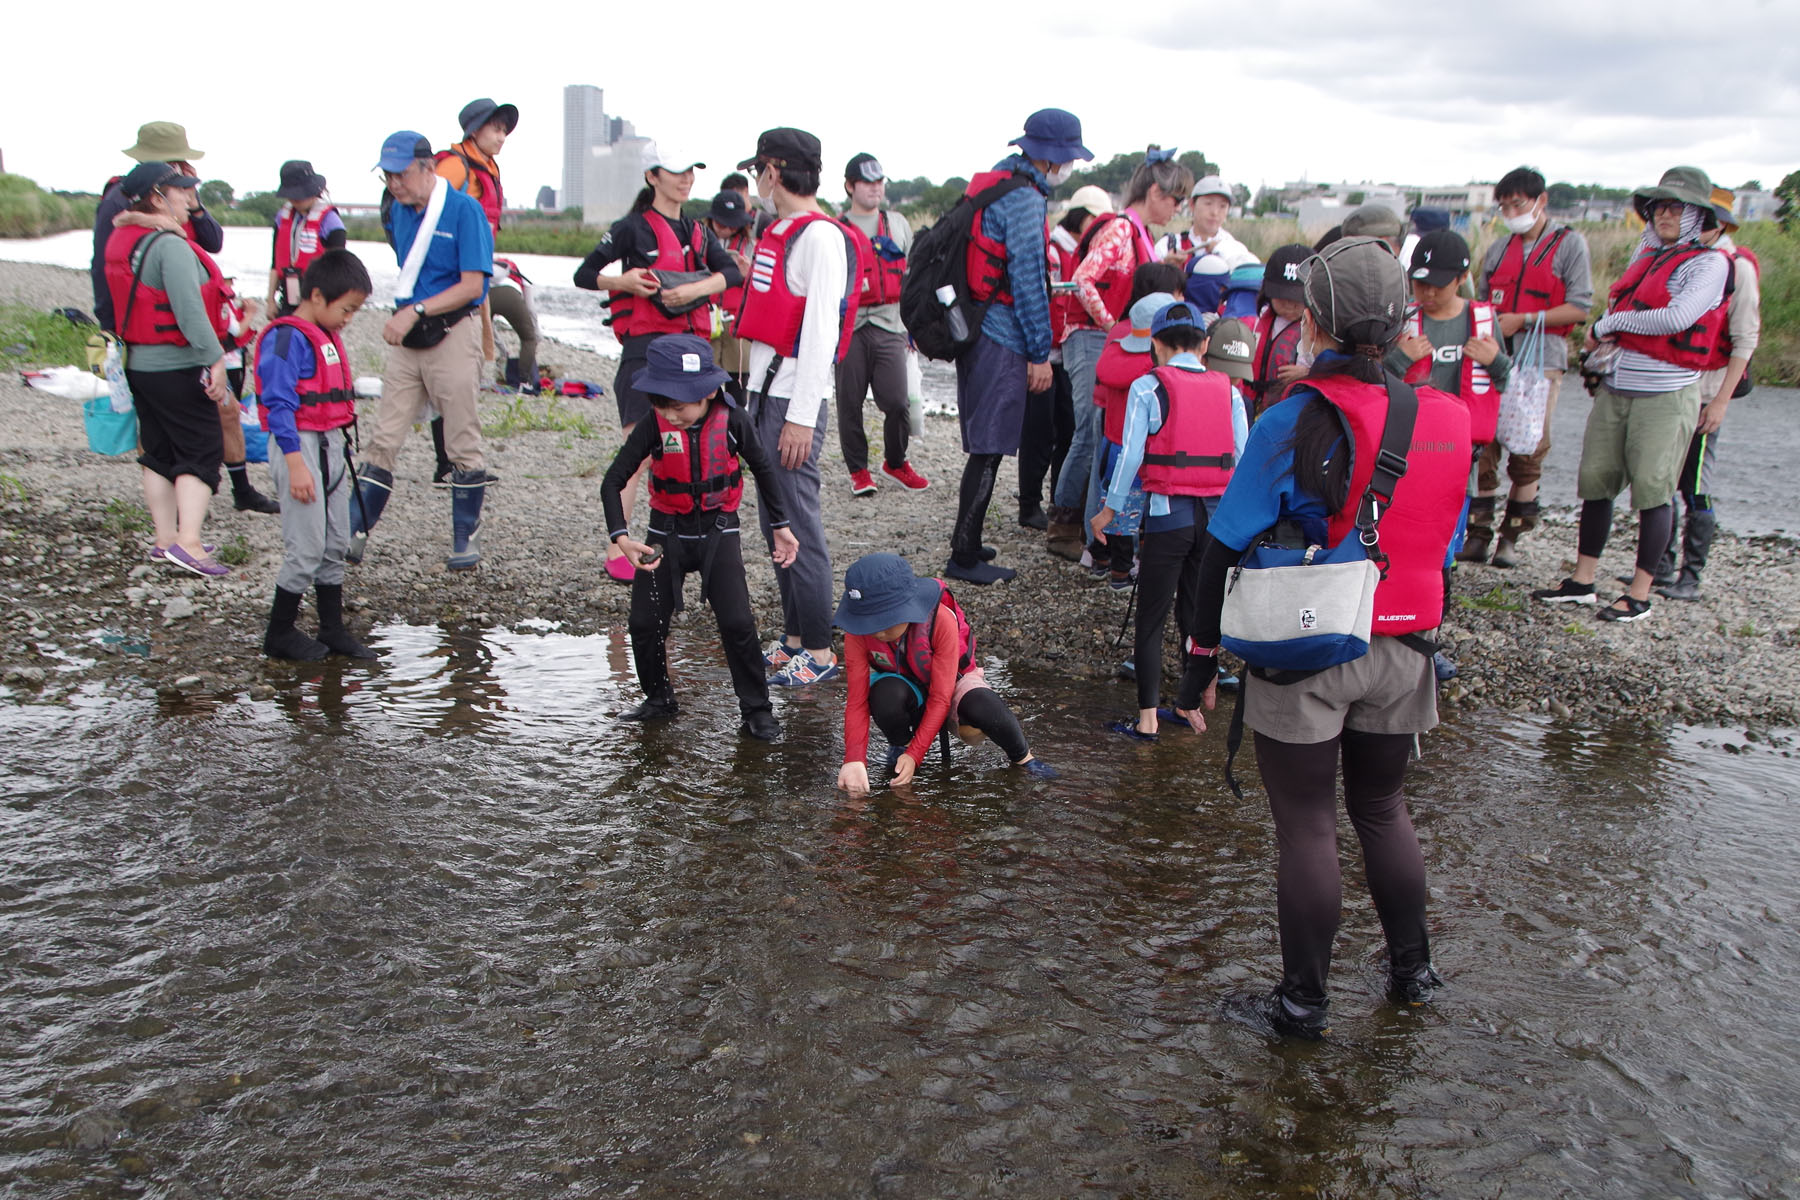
[(332, 635), (284, 641)]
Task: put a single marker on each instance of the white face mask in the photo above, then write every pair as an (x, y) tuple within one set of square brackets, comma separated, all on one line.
[(766, 203), (1521, 223), (1061, 175)]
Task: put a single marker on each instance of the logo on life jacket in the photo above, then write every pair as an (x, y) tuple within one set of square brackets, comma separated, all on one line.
[(331, 354), (671, 441)]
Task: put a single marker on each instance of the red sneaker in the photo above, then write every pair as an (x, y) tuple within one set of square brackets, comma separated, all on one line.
[(862, 483), (906, 477)]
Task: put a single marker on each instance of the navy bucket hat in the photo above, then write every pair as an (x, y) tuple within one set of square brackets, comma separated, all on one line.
[(1052, 135), (679, 366), (881, 591)]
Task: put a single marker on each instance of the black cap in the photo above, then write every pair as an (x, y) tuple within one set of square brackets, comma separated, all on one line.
[(146, 177), (1282, 278), (786, 147), (728, 210), (1440, 258), (299, 181), (863, 169)]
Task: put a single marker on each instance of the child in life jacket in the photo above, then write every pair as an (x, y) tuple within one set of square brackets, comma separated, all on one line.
[(307, 226), (305, 383), (909, 655), (1185, 428), (1277, 364), (698, 442), (1125, 357)]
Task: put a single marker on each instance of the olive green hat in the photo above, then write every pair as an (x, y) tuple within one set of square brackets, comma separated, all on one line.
[(1690, 185), (163, 141)]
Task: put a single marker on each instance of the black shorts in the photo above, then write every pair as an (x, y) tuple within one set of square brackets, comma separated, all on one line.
[(634, 356), (178, 424)]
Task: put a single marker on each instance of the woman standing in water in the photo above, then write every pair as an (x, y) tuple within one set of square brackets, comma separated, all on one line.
[(639, 261), (1300, 467)]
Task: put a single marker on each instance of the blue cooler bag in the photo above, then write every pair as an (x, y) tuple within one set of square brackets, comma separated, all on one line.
[(109, 432), (256, 438)]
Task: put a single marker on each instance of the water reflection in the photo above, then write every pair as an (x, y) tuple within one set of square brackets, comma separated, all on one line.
[(314, 945)]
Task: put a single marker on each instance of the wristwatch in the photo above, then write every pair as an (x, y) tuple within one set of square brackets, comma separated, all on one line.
[(419, 308)]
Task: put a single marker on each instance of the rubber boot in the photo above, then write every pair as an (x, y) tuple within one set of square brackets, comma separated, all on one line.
[(1064, 537), (282, 640), (244, 497), (441, 475), (1478, 533), (329, 597), (1521, 518), (373, 487), (468, 489), (1696, 544)]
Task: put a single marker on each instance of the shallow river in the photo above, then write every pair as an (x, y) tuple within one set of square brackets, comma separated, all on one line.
[(441, 929)]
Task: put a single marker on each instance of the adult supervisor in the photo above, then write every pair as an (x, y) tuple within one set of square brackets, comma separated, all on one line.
[(445, 250), (1298, 466)]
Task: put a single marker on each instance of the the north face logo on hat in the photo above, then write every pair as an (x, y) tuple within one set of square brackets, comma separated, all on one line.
[(854, 594), (1237, 350), (690, 363)]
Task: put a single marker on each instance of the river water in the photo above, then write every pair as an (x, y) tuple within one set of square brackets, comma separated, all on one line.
[(440, 928)]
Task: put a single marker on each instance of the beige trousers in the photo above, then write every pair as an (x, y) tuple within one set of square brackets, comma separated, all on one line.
[(444, 379)]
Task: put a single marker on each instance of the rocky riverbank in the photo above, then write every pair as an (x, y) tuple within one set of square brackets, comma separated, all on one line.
[(82, 604)]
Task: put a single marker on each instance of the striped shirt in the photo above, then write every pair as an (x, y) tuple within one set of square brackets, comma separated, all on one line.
[(1017, 219)]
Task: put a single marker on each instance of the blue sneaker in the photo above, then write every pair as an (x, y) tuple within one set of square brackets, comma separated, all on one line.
[(1037, 768), (803, 670), (1129, 729)]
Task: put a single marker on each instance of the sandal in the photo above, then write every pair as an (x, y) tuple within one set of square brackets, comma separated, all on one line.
[(1634, 610), (1129, 729)]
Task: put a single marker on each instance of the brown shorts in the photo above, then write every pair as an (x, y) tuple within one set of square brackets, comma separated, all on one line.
[(1391, 689)]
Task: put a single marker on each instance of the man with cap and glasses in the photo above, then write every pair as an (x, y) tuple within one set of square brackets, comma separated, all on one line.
[(1011, 355), (165, 141), (306, 227), (1666, 315), (799, 306), (445, 250), (876, 359)]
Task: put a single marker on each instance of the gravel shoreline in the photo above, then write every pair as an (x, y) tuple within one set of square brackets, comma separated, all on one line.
[(84, 605)]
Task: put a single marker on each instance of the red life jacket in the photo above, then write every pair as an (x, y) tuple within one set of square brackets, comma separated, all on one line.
[(985, 260), (632, 315), (492, 199), (1273, 352), (1721, 352), (692, 470), (911, 655), (1064, 306), (142, 312), (1520, 286), (1426, 507), (295, 250), (1114, 373), (1645, 285), (1476, 387), (773, 314), (1193, 451), (1115, 285), (327, 396), (732, 298), (878, 279)]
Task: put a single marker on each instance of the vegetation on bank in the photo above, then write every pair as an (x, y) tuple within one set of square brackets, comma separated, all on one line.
[(29, 338), (27, 210)]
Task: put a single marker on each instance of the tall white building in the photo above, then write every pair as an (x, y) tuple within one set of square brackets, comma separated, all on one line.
[(584, 126)]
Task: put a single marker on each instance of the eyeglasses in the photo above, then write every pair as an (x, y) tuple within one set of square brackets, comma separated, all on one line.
[(1659, 206)]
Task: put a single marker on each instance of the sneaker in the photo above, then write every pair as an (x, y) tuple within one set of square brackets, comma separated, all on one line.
[(803, 670), (654, 709), (159, 554), (1130, 730), (777, 656), (205, 565), (620, 570), (1128, 669), (978, 573), (1037, 768), (1634, 610), (761, 725), (1416, 988), (1684, 588), (1120, 582), (906, 477), (862, 483), (1567, 592), (1275, 1015)]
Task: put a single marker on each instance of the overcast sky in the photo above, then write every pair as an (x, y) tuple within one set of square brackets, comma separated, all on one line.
[(1272, 90)]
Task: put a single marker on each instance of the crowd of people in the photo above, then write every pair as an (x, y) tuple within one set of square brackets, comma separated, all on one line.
[(1192, 409)]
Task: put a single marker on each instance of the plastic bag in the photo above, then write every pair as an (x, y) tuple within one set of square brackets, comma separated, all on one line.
[(915, 393), (114, 369), (1521, 425)]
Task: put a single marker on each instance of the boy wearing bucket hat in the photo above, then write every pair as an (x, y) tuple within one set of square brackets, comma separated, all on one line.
[(305, 227), (1666, 315), (698, 443), (909, 655)]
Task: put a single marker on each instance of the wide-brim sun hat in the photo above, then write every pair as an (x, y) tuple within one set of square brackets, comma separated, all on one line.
[(1052, 135), (1357, 292), (680, 367), (881, 591), (299, 181), (1725, 208), (163, 141), (1690, 185), (477, 113)]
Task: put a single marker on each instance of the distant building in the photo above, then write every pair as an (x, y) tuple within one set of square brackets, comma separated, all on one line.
[(613, 176), (1756, 206), (546, 199), (584, 125)]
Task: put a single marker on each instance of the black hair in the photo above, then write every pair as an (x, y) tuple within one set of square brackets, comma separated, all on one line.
[(1520, 181), (645, 198), (734, 182), (1167, 174), (801, 181), (1151, 278), (1181, 337), (334, 273), (1074, 219)]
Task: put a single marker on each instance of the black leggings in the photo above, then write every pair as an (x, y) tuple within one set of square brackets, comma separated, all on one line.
[(971, 507), (656, 594), (1049, 428), (1168, 576), (1656, 529), (1302, 786), (896, 709)]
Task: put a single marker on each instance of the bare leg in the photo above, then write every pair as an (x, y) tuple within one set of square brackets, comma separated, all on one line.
[(159, 498), (191, 497), (232, 427)]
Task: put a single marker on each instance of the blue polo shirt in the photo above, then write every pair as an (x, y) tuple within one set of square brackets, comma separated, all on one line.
[(462, 242)]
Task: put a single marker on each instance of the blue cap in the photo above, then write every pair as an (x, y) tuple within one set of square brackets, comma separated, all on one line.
[(1052, 135), (1141, 316), (398, 152), (1424, 220), (1178, 313), (881, 591), (679, 367)]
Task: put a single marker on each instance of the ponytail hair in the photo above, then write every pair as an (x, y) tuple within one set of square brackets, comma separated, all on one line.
[(1159, 167), (645, 197)]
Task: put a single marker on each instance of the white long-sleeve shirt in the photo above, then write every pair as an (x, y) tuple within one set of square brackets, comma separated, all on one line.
[(817, 268)]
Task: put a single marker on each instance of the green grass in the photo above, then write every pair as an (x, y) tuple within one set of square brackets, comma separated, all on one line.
[(28, 211), (41, 339), (521, 415), (1746, 630), (125, 518), (11, 486), (1578, 629), (234, 553), (1496, 599)]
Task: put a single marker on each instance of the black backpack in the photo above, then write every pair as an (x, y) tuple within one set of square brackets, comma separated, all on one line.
[(939, 258)]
